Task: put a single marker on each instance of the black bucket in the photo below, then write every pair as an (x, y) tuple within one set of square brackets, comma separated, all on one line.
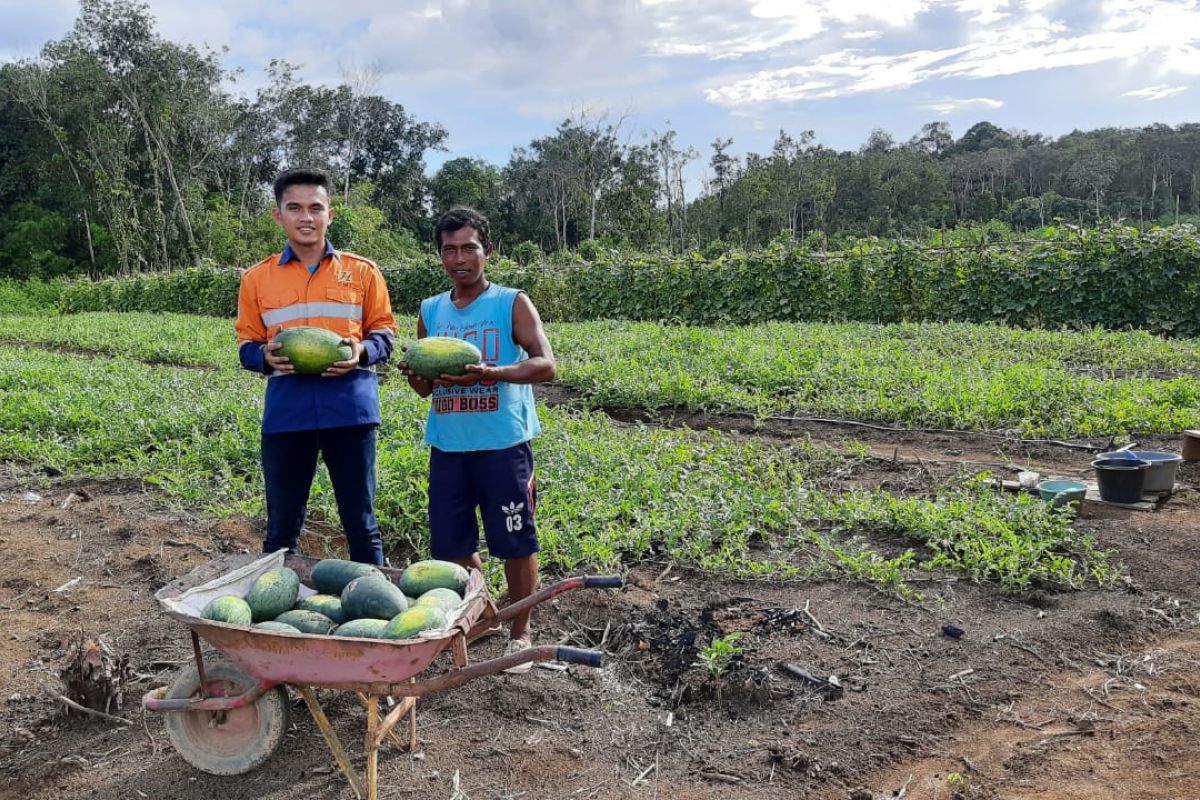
[(1121, 480)]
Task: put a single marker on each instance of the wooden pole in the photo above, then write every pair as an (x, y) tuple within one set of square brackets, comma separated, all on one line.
[(372, 747), (335, 745)]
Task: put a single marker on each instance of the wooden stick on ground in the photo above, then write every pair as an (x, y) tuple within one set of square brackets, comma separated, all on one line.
[(93, 712)]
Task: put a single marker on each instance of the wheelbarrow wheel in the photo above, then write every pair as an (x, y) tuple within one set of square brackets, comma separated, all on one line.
[(226, 742)]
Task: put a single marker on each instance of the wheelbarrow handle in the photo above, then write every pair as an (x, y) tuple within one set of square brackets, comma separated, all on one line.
[(603, 582), (575, 655), (540, 596)]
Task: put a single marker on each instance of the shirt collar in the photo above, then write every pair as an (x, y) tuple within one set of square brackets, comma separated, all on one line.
[(289, 255)]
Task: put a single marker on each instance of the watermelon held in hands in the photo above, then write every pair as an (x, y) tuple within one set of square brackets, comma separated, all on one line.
[(441, 355), (311, 351)]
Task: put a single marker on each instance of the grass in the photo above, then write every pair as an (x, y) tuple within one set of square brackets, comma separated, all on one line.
[(610, 495), (969, 377), (972, 377)]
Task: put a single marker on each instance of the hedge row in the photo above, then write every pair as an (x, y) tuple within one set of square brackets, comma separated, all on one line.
[(1112, 277)]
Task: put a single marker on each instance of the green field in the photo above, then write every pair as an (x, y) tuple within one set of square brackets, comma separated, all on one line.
[(160, 398), (969, 377)]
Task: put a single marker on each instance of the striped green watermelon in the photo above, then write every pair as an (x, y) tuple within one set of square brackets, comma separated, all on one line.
[(364, 628), (311, 351), (228, 608), (273, 593), (414, 621), (421, 576), (438, 355)]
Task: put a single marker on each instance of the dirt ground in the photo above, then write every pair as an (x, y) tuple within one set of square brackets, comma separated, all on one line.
[(1049, 695)]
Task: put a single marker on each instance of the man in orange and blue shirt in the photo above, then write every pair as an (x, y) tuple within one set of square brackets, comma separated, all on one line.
[(334, 414)]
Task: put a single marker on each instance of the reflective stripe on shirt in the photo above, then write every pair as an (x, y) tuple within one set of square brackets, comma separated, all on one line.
[(280, 316)]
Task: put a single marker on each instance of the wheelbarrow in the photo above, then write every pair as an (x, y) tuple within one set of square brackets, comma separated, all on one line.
[(228, 711)]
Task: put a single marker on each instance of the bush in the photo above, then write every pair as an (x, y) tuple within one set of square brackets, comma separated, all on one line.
[(1113, 277), (29, 297), (526, 253)]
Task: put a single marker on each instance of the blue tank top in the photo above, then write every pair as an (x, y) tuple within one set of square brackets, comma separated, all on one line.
[(484, 416)]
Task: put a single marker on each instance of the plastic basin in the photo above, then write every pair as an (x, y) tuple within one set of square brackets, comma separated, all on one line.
[(1163, 468), (1059, 493)]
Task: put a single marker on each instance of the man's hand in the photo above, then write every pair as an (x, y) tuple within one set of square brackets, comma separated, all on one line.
[(349, 365), (276, 363), (475, 374)]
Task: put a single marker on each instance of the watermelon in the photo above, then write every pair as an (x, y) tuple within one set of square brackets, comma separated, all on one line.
[(374, 597), (421, 576), (311, 351), (448, 599), (273, 593), (325, 604), (306, 621), (277, 627), (408, 624), (441, 355), (228, 608), (365, 628), (330, 575)]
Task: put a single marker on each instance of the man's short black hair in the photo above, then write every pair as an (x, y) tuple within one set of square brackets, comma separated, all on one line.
[(299, 176), (462, 217)]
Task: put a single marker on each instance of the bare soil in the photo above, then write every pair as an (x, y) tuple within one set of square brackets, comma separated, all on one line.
[(1059, 695)]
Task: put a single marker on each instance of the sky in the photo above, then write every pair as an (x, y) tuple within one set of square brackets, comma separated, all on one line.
[(499, 73)]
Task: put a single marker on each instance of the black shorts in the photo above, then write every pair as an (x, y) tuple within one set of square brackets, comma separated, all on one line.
[(500, 483)]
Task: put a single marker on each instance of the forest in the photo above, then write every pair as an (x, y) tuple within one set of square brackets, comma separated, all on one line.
[(122, 152)]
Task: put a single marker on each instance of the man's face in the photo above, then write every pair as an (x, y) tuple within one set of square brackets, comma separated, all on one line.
[(463, 256), (304, 213)]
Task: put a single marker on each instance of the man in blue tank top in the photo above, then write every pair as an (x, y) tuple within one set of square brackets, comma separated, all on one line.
[(480, 424)]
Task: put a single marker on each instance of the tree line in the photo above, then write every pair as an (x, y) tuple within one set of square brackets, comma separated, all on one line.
[(122, 152)]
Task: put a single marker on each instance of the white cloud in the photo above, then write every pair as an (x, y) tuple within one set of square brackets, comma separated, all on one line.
[(832, 75), (1156, 92), (1162, 35), (952, 105), (723, 29), (862, 35)]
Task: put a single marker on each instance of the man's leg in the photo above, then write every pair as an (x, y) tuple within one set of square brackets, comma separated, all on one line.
[(453, 532), (350, 458), (521, 574), (505, 484), (289, 462)]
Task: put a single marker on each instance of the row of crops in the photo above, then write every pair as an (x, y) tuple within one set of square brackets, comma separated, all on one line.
[(975, 377), (159, 398)]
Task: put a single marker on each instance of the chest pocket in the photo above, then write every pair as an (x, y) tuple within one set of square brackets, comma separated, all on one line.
[(279, 308), (347, 300), (345, 294)]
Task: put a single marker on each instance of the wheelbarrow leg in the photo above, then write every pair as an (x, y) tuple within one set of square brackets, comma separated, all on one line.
[(387, 725), (339, 753), (372, 747)]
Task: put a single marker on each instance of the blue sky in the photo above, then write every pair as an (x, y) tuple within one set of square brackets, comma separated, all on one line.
[(499, 73)]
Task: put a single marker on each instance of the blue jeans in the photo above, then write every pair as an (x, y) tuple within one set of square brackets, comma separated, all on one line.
[(289, 465)]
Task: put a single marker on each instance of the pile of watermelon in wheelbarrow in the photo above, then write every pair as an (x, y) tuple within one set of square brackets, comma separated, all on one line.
[(272, 623)]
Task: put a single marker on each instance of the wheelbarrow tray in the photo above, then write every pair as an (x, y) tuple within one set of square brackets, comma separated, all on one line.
[(303, 659)]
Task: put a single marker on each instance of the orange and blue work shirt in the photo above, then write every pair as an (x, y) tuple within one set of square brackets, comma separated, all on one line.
[(345, 294)]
